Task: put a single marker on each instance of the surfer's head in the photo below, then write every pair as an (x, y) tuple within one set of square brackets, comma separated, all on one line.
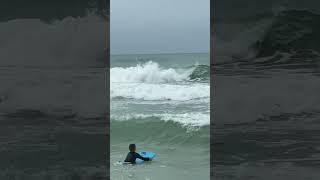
[(132, 148)]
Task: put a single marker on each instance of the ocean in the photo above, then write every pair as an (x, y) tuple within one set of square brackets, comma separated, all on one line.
[(266, 97), (53, 97), (161, 102)]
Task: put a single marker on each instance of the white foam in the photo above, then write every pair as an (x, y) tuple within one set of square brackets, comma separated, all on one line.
[(185, 119), (178, 92), (151, 82), (149, 72)]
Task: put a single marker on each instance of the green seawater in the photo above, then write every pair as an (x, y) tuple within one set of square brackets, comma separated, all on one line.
[(156, 105)]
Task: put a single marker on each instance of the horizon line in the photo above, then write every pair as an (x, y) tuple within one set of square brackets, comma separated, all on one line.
[(159, 53)]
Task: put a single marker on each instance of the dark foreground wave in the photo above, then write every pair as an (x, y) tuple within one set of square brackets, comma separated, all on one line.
[(291, 31), (289, 39)]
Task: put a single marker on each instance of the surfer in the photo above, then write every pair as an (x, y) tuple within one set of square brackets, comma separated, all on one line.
[(132, 155)]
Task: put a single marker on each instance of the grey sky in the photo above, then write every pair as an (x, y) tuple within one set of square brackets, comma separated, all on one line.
[(159, 26)]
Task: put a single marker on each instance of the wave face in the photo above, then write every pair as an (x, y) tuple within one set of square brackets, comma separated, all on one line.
[(287, 37), (200, 72), (152, 129), (292, 30)]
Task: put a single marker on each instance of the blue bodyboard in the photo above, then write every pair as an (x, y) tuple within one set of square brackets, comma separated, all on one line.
[(146, 154)]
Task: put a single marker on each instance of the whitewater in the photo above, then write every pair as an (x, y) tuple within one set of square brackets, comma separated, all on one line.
[(161, 103), (152, 84)]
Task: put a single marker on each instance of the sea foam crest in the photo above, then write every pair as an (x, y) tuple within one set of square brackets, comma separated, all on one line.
[(149, 81), (149, 72)]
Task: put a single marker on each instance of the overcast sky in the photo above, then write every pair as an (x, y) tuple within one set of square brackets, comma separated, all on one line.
[(159, 26)]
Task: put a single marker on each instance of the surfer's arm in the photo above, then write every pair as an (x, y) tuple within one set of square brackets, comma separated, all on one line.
[(143, 158), (129, 158)]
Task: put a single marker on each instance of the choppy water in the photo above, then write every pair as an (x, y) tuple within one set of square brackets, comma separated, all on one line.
[(274, 133), (44, 133), (161, 103)]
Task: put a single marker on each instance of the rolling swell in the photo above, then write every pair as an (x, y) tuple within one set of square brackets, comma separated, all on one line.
[(154, 130)]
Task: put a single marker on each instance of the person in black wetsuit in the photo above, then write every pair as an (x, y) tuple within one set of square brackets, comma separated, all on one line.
[(132, 155)]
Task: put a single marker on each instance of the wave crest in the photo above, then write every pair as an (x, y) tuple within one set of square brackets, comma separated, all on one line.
[(149, 81), (149, 72)]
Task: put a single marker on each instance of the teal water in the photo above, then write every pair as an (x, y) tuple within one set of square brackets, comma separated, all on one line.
[(161, 103)]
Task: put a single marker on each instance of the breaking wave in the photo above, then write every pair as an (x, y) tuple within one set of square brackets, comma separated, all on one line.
[(149, 81)]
